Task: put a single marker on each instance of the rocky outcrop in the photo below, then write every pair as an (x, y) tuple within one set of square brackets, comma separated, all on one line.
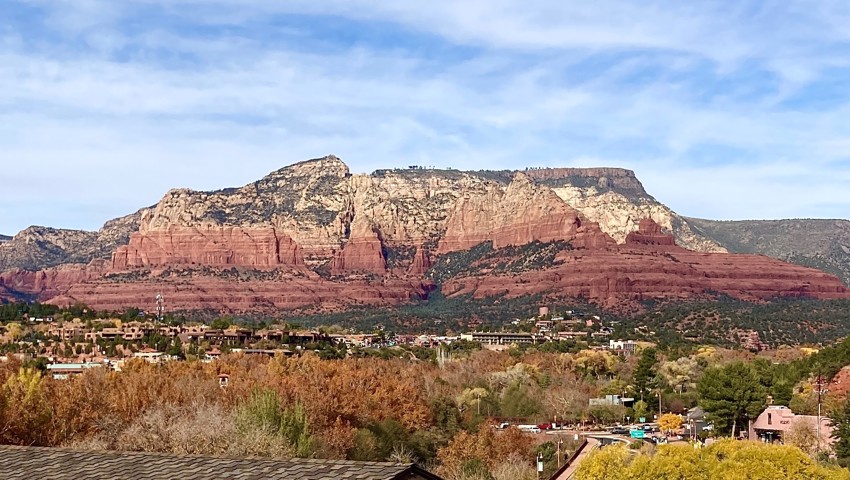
[(649, 233), (421, 263), (604, 179), (51, 282), (362, 254), (212, 246), (618, 210)]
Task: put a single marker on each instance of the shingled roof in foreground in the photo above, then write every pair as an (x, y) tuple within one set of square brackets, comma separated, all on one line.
[(26, 463)]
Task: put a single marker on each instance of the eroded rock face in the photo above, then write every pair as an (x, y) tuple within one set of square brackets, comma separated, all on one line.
[(421, 263), (616, 200), (520, 214), (51, 282), (362, 254), (208, 245)]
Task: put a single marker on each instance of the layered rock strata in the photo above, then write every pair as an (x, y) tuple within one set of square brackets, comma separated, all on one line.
[(208, 245), (650, 266)]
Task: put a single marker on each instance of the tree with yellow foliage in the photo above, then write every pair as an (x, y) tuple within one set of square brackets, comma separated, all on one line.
[(669, 422), (727, 459), (24, 409)]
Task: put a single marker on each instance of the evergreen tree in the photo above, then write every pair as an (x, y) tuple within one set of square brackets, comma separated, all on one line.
[(730, 395), (644, 373), (841, 432)]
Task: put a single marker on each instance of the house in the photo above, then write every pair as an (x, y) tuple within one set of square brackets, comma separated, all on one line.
[(501, 338), (611, 400), (776, 420), (150, 355), (25, 463), (571, 335), (62, 371), (622, 347), (695, 422), (544, 326)]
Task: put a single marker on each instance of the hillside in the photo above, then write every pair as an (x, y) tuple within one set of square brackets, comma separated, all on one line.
[(36, 248), (822, 244)]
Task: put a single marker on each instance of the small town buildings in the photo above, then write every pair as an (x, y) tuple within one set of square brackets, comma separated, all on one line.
[(232, 337), (777, 420), (67, 331), (750, 340)]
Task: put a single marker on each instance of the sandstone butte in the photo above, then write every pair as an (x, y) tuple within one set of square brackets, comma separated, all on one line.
[(314, 235)]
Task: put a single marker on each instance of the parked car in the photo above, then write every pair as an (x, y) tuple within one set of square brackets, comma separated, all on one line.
[(534, 430), (545, 426)]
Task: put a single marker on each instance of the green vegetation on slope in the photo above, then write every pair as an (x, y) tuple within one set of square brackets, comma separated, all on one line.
[(822, 244)]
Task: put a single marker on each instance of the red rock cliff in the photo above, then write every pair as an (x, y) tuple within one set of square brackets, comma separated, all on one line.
[(362, 254), (523, 213), (213, 246)]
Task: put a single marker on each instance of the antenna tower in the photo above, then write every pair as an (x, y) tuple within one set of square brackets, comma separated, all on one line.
[(160, 307)]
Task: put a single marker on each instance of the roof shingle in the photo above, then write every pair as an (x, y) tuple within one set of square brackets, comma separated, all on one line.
[(25, 463)]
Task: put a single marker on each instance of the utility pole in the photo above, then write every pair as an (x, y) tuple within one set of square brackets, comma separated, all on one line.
[(820, 384), (659, 402)]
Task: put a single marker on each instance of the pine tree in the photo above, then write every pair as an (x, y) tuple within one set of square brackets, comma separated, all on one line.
[(644, 373), (841, 432), (730, 395)]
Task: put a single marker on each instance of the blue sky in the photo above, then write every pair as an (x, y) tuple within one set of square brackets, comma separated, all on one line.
[(725, 110)]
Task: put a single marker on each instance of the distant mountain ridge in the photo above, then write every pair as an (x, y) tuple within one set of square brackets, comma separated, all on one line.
[(37, 248), (313, 234), (820, 243)]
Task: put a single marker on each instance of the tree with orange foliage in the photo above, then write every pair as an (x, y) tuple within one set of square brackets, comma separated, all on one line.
[(469, 453)]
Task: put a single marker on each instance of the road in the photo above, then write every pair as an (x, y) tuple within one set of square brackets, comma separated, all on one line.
[(594, 441)]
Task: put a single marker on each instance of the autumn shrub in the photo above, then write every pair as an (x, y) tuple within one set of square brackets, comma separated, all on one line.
[(263, 414)]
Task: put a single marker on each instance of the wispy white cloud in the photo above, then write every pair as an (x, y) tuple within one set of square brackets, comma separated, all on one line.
[(109, 104)]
